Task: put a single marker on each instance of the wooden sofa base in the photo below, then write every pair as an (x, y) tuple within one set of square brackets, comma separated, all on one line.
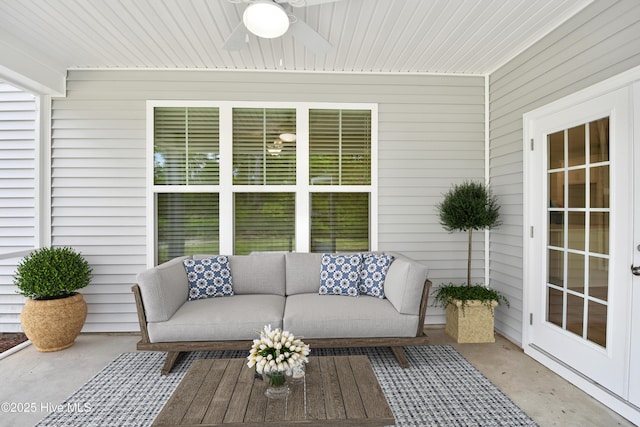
[(175, 349)]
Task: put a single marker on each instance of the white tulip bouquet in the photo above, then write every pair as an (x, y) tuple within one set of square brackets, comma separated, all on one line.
[(277, 351)]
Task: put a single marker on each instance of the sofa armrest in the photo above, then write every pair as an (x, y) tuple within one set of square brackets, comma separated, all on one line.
[(163, 289), (405, 283)]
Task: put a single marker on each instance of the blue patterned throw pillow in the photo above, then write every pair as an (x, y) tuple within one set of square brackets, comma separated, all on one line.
[(209, 277), (340, 274), (374, 271)]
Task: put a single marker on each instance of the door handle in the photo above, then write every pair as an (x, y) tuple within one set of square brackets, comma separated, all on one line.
[(635, 270)]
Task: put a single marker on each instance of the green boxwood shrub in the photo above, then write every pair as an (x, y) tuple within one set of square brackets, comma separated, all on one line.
[(49, 273)]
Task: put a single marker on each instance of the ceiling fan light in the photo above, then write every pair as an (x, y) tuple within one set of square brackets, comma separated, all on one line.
[(266, 19)]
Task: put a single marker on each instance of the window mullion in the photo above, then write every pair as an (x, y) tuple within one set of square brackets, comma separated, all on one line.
[(226, 180), (303, 205)]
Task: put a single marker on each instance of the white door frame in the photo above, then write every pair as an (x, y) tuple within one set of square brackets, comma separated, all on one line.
[(626, 79)]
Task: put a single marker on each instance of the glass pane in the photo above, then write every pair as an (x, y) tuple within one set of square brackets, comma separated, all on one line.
[(599, 233), (264, 146), (556, 229), (600, 187), (599, 278), (576, 230), (555, 142), (339, 147), (556, 268), (339, 222), (576, 146), (575, 272), (597, 323), (186, 146), (556, 190), (203, 146), (264, 222), (575, 314), (554, 306), (599, 140), (187, 224), (577, 188)]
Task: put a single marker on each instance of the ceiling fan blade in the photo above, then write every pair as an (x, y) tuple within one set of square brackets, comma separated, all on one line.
[(305, 3), (309, 37), (238, 38)]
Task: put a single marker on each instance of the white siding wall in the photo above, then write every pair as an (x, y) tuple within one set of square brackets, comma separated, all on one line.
[(431, 135), (601, 41), (17, 194)]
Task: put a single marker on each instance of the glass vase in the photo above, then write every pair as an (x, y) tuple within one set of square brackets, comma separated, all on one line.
[(277, 387)]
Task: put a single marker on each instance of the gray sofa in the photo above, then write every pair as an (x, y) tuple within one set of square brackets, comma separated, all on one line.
[(280, 289)]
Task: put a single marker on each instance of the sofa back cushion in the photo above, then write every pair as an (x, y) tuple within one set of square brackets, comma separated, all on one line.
[(258, 274), (303, 273), (164, 289), (404, 284)]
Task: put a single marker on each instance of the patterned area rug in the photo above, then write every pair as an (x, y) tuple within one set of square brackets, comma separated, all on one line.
[(441, 388)]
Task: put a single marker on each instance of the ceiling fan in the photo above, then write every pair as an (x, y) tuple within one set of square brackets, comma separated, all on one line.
[(269, 19)]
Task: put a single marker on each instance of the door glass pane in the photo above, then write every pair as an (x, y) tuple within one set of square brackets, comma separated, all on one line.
[(556, 150), (575, 272), (575, 314), (599, 140), (577, 188), (597, 323), (339, 222), (578, 229), (599, 233), (556, 190), (577, 146), (598, 277), (556, 268), (187, 224), (555, 308), (556, 229), (600, 187), (264, 222)]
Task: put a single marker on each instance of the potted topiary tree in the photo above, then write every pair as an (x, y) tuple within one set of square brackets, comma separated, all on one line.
[(469, 309), (54, 312)]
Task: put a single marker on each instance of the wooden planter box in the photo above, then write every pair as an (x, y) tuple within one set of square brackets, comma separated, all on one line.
[(474, 324)]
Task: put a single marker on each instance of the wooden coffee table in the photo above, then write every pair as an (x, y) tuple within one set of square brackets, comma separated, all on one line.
[(338, 390)]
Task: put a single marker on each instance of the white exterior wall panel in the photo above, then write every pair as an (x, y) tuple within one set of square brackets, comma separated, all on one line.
[(18, 113), (431, 134), (601, 41)]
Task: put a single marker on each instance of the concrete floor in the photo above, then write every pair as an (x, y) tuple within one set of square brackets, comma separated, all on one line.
[(32, 383)]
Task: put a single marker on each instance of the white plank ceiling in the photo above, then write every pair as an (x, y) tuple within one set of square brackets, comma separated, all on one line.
[(377, 36)]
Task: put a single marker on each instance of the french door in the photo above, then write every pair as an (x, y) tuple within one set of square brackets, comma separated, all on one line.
[(580, 245)]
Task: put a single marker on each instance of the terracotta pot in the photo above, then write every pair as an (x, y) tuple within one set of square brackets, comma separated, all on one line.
[(473, 324), (54, 324)]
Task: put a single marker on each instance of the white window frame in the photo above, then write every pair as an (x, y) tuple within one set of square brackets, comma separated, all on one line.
[(226, 189)]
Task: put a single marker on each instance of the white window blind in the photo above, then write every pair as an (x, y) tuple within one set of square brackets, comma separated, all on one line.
[(262, 153), (264, 222), (186, 146), (339, 222), (228, 178), (187, 223), (339, 147)]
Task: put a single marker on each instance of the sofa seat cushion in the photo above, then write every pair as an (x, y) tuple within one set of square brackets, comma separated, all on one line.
[(332, 316), (239, 317)]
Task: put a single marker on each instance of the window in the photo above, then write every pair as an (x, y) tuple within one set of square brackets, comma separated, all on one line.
[(244, 177)]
